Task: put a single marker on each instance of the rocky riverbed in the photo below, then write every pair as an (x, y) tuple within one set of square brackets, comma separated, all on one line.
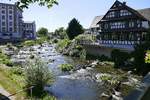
[(84, 82)]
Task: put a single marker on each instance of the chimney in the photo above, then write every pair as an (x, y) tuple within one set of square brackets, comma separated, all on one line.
[(124, 3)]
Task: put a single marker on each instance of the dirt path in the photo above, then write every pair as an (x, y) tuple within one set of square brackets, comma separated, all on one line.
[(5, 93)]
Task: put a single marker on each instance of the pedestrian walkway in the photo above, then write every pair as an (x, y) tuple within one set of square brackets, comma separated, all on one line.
[(4, 94)]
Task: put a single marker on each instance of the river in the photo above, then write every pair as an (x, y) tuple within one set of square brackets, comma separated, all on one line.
[(66, 86), (77, 85)]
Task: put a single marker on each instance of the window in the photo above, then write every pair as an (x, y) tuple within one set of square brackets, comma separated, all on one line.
[(138, 23), (3, 29), (10, 29), (10, 7), (131, 24), (3, 17), (106, 26), (3, 7), (10, 23), (3, 23), (117, 25), (110, 14), (145, 24), (10, 11), (3, 11), (124, 13), (10, 17)]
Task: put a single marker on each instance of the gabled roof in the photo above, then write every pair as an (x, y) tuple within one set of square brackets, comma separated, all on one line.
[(95, 21), (145, 13), (143, 16)]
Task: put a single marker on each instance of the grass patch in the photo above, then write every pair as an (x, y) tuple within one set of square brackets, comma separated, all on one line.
[(66, 67), (11, 82), (126, 89), (108, 68), (35, 42)]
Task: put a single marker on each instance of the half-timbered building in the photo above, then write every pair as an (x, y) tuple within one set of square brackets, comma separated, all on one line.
[(122, 26)]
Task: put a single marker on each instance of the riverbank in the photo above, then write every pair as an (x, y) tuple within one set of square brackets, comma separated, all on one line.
[(96, 74), (12, 77), (11, 82)]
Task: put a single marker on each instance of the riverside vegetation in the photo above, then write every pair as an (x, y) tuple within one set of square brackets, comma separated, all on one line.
[(108, 73), (16, 77)]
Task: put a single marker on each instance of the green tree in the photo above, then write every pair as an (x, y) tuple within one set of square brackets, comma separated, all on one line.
[(25, 3), (74, 29), (119, 57), (37, 74), (42, 32), (61, 33), (139, 55), (139, 58)]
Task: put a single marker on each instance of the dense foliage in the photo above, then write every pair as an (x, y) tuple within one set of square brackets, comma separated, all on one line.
[(139, 58), (119, 57), (85, 38), (42, 32), (25, 3), (74, 29), (62, 44), (4, 59), (147, 56), (60, 33), (37, 74)]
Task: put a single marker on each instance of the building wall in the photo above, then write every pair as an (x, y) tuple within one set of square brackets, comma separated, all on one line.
[(29, 30), (99, 50), (10, 20)]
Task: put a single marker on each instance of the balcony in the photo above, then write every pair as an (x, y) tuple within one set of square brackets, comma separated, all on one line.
[(125, 45)]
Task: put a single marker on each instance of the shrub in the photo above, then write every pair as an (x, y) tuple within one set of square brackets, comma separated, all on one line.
[(119, 57), (17, 70), (29, 43), (9, 45), (66, 67), (83, 54), (147, 57), (139, 58), (37, 74), (42, 32), (55, 41), (62, 44), (85, 38), (8, 62), (4, 59)]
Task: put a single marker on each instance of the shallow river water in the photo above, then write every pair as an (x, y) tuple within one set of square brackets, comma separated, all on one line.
[(67, 86)]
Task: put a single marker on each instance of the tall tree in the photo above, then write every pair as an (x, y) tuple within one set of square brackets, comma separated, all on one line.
[(25, 3), (74, 29)]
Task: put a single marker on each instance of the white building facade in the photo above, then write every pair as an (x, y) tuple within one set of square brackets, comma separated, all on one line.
[(11, 23)]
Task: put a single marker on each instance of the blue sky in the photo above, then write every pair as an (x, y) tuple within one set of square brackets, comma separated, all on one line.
[(83, 10)]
